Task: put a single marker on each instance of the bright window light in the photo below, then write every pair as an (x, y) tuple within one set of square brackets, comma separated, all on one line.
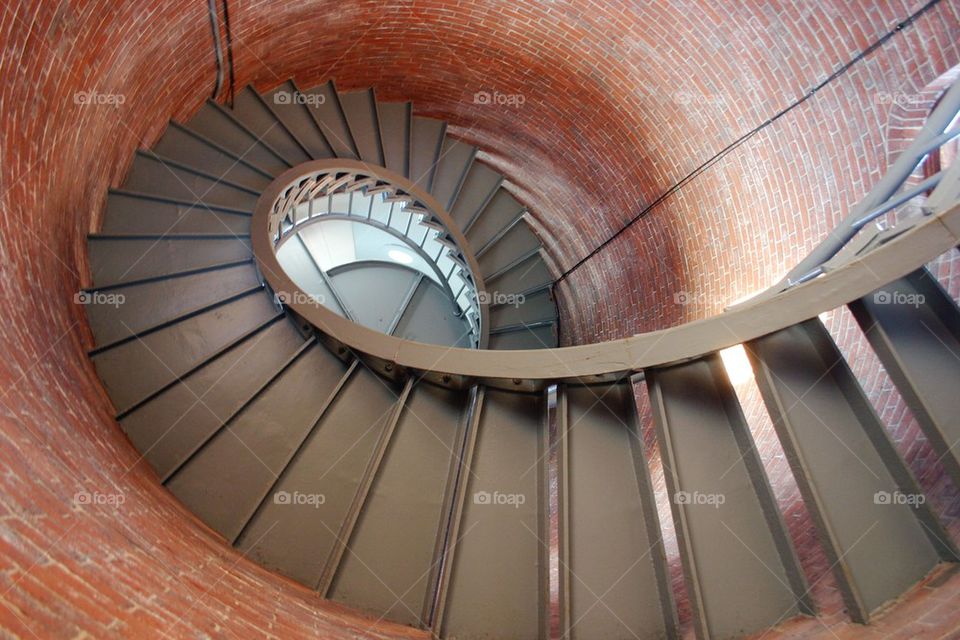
[(737, 364), (400, 256)]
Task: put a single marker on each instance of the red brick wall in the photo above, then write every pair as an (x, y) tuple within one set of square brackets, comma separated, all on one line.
[(620, 101), (146, 567)]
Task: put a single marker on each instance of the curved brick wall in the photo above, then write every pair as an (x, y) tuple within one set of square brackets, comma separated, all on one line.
[(605, 106), (90, 544)]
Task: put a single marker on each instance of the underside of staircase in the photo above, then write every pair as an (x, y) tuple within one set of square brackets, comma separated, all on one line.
[(441, 501)]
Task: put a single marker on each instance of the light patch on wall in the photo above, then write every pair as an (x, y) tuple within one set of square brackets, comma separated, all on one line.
[(400, 256), (737, 364), (744, 298)]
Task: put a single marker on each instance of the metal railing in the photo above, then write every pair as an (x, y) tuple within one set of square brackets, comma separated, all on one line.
[(368, 198), (885, 196), (908, 245)]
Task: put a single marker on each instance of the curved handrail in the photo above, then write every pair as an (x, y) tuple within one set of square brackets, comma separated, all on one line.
[(308, 181), (529, 370), (882, 198)]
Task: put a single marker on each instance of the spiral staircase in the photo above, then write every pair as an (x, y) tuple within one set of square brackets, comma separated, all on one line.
[(422, 483)]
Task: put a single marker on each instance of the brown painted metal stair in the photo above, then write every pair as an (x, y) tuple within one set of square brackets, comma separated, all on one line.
[(433, 506)]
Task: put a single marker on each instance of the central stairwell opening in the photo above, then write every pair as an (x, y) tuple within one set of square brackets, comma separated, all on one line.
[(378, 255), (304, 376)]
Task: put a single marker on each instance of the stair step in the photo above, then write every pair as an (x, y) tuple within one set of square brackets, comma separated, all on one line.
[(741, 571), (518, 243), (454, 162), (172, 424), (286, 103), (155, 303), (313, 244), (223, 481), (914, 327), (214, 123), (536, 307), (530, 273), (190, 149), (394, 553), (429, 317), (115, 261), (404, 307), (163, 236), (844, 463), (256, 115), (378, 312), (362, 493), (298, 539), (216, 386), (496, 550), (479, 187), (497, 216), (129, 212), (396, 121), (179, 274), (306, 273), (426, 139), (360, 110), (534, 336), (134, 369), (325, 107), (611, 548), (152, 174)]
